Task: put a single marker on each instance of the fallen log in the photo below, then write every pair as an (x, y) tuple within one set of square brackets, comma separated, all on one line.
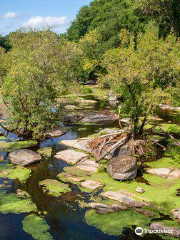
[(175, 140)]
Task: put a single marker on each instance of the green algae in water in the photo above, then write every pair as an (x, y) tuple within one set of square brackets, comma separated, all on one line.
[(20, 173), (54, 187), (10, 203), (12, 146), (114, 223), (37, 227), (46, 151)]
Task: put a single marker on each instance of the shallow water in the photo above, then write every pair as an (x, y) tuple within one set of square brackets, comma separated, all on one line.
[(64, 215)]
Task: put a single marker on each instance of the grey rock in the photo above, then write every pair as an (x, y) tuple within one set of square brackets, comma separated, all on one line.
[(161, 172), (123, 168), (88, 166), (56, 132), (24, 157), (92, 185), (176, 213), (2, 158), (71, 156), (99, 118), (105, 209), (140, 190), (174, 175), (171, 231)]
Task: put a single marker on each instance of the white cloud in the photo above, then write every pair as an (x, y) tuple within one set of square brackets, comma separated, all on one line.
[(10, 15), (41, 22)]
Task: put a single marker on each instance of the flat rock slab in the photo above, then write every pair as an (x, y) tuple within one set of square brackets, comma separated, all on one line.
[(71, 156), (160, 172), (24, 157), (125, 200), (80, 144), (92, 185), (171, 231), (101, 208), (88, 165), (98, 118), (2, 158)]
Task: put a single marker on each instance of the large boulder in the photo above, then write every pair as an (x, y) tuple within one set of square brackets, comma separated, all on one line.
[(56, 132), (71, 156), (24, 157), (171, 231), (123, 168)]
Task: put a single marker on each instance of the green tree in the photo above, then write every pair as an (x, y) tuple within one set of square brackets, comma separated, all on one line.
[(141, 72), (29, 84)]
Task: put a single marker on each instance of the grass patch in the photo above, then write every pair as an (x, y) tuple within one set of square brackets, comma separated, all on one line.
[(37, 227), (54, 187)]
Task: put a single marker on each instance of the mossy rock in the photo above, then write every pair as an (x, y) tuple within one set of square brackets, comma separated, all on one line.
[(54, 187), (13, 146), (10, 203), (37, 227), (46, 151), (114, 223), (20, 173)]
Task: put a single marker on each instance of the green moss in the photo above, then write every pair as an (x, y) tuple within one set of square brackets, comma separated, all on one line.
[(20, 173), (114, 223), (10, 203), (37, 227), (54, 188), (46, 151), (172, 128), (12, 146)]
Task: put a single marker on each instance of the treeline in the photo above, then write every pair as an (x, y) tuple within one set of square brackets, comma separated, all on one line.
[(130, 46)]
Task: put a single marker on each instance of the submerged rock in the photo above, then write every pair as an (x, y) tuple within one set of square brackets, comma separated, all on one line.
[(92, 185), (24, 157), (105, 209), (160, 172), (125, 200), (2, 158), (22, 194), (46, 151), (123, 168), (89, 166), (54, 187), (71, 156), (171, 231)]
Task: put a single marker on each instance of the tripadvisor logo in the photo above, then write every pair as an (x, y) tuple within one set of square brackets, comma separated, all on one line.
[(139, 231)]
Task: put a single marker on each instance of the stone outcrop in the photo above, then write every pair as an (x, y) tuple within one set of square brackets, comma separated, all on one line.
[(71, 156), (99, 118), (24, 157), (56, 132), (123, 168)]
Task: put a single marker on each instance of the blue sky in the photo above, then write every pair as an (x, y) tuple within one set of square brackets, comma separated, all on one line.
[(56, 14)]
